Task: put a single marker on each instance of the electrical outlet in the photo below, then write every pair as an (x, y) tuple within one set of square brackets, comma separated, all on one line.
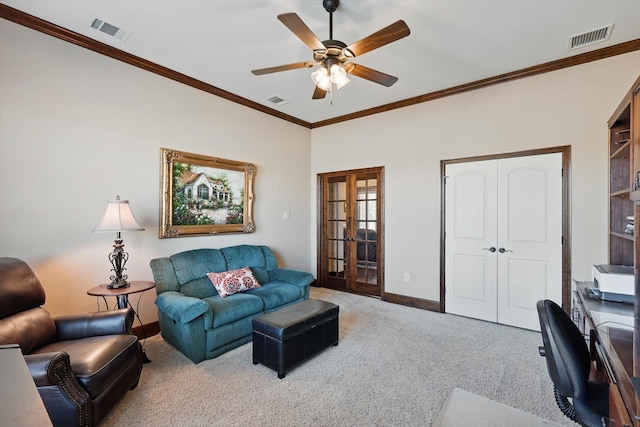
[(407, 277), (286, 215)]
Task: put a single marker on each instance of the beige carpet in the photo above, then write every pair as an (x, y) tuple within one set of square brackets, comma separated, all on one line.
[(464, 409), (394, 366)]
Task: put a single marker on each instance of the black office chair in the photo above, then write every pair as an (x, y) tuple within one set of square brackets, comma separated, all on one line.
[(569, 365)]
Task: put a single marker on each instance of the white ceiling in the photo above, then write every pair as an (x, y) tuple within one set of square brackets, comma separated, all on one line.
[(452, 42)]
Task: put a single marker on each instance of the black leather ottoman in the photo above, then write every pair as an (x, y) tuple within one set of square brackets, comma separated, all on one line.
[(285, 338)]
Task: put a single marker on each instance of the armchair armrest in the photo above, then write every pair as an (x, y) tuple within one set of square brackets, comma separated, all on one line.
[(59, 388), (180, 307), (77, 326), (43, 366), (296, 277)]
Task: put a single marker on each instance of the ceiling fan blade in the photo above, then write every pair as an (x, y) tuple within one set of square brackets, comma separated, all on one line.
[(319, 93), (286, 67), (389, 34), (300, 29), (370, 74)]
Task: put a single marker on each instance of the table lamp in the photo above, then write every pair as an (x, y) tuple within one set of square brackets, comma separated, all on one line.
[(118, 217)]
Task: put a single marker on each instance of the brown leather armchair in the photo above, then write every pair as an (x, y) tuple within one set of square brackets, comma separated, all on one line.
[(81, 364)]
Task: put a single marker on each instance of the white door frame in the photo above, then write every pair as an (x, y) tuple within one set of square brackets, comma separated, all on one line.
[(566, 214)]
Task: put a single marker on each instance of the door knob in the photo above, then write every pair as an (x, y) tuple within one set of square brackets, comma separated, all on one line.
[(503, 250), (491, 249)]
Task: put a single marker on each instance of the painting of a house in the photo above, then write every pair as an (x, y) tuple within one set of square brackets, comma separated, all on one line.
[(205, 195), (200, 186)]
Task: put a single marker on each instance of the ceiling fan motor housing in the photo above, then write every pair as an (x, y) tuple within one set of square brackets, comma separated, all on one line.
[(335, 49), (337, 44)]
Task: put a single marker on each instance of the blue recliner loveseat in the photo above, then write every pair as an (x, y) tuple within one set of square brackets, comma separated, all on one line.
[(201, 324)]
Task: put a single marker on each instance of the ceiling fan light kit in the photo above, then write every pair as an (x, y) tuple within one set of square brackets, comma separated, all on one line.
[(336, 74), (332, 55)]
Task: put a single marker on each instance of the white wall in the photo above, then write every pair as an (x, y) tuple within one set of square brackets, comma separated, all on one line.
[(78, 128), (566, 107)]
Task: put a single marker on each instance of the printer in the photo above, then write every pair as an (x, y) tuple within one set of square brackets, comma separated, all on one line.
[(613, 282)]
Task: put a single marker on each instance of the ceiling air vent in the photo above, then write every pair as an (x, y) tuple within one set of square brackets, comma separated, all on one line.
[(111, 30), (590, 37), (277, 100)]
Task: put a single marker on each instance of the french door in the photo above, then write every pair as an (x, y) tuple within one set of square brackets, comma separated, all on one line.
[(503, 238), (351, 231)]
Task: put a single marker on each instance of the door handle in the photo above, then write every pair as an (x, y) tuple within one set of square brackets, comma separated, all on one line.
[(491, 249), (503, 250)]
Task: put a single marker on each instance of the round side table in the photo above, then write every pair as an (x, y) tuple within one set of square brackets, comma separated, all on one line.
[(121, 294), (122, 297)]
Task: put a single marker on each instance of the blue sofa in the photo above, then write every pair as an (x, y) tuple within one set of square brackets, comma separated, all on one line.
[(196, 320)]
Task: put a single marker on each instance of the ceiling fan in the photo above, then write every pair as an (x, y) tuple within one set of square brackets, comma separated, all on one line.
[(333, 55)]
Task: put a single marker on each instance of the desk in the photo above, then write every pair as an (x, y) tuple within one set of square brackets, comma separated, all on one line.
[(614, 335), (21, 404), (121, 294)]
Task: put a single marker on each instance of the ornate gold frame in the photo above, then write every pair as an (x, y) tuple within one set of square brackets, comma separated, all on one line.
[(215, 175)]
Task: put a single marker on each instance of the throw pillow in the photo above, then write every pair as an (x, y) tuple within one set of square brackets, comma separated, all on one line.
[(233, 281)]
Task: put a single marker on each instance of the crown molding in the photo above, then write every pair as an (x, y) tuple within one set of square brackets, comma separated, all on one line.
[(56, 31)]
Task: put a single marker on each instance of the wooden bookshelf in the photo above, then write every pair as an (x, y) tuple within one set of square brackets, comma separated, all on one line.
[(621, 185)]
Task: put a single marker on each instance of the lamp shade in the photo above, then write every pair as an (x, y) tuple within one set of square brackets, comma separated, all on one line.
[(321, 78), (339, 76), (118, 217)]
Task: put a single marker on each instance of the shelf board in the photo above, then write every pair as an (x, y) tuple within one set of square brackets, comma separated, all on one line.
[(619, 193), (623, 150), (622, 235)]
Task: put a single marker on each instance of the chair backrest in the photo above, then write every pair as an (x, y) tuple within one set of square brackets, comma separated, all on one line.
[(22, 320), (20, 289), (566, 352)]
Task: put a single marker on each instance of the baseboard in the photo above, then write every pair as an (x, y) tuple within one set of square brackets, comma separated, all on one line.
[(423, 304), (146, 331)]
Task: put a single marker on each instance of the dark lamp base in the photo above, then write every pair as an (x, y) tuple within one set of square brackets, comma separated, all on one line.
[(118, 284)]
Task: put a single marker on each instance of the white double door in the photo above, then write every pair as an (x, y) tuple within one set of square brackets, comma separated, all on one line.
[(503, 238)]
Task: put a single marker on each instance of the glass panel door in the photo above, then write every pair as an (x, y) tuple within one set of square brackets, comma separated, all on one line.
[(366, 233), (350, 231), (336, 231)]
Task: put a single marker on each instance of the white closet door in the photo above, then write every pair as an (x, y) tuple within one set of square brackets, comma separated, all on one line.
[(530, 233), (470, 239), (503, 238)]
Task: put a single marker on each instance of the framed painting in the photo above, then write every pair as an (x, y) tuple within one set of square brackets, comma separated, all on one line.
[(204, 195)]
